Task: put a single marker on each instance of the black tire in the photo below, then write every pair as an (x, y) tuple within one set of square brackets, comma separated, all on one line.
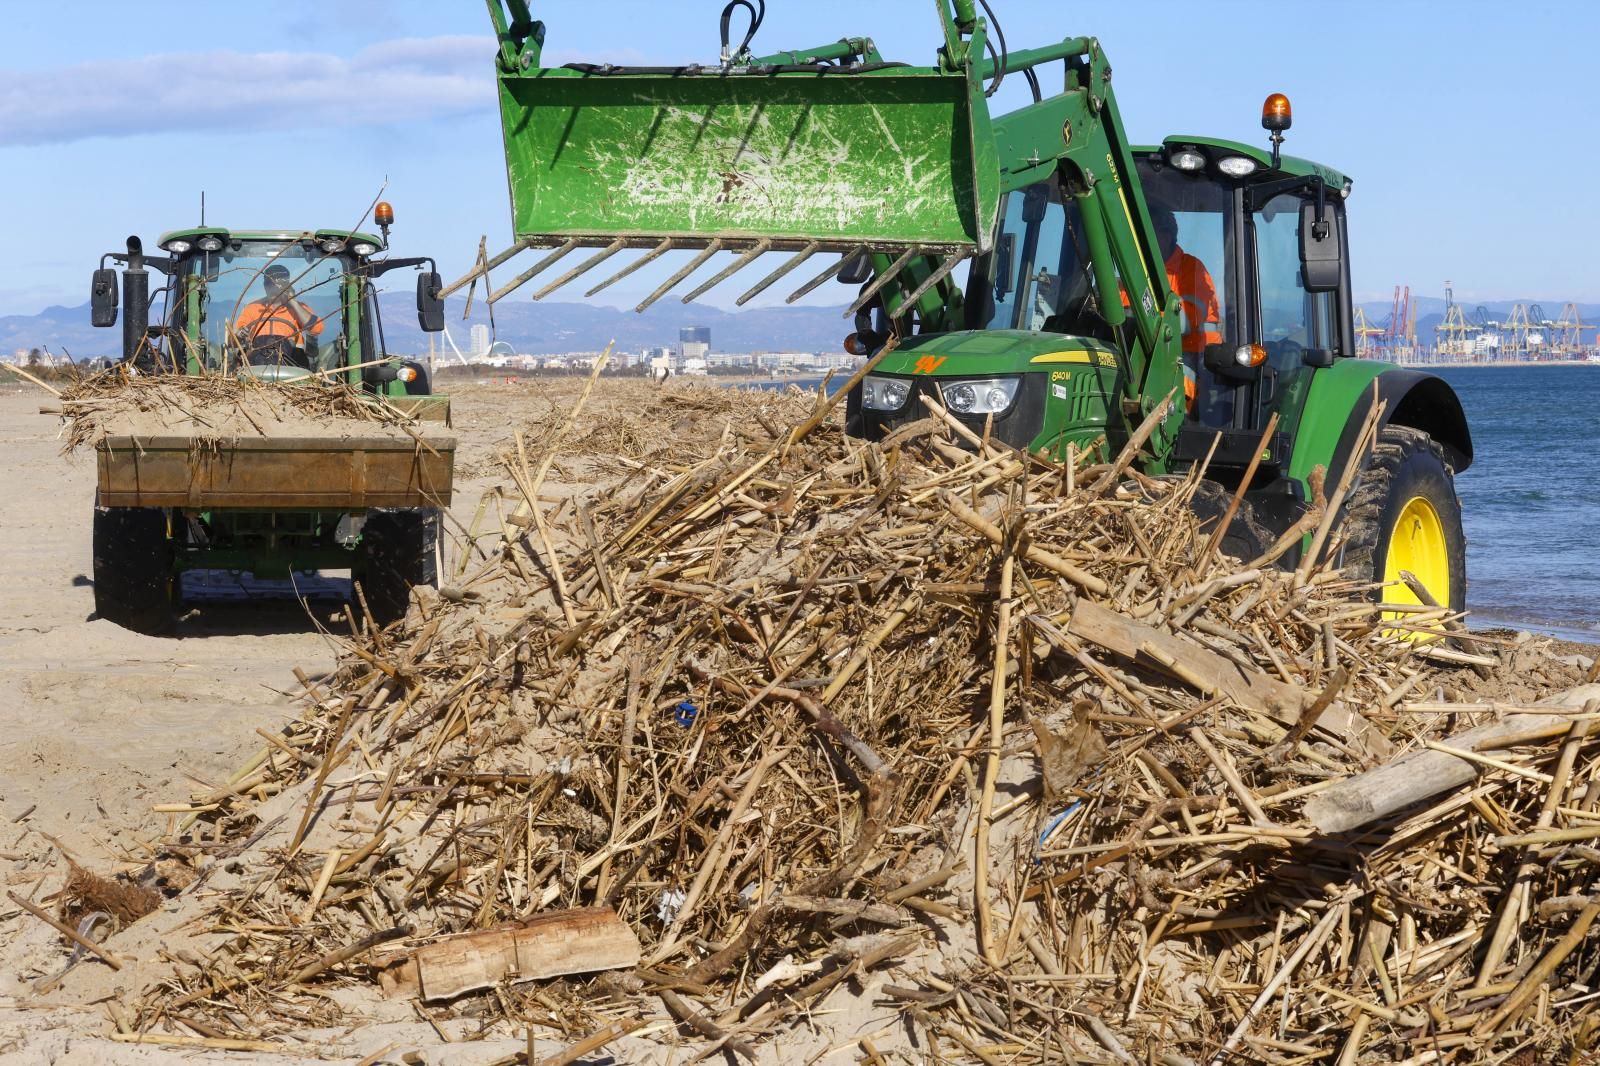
[(134, 582), (1246, 538), (1406, 464), (399, 550)]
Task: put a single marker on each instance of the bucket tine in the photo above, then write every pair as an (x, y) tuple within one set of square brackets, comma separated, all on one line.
[(694, 264), (593, 261), (826, 274), (950, 263), (732, 268), (793, 261), (483, 268), (883, 279), (521, 279), (649, 257)]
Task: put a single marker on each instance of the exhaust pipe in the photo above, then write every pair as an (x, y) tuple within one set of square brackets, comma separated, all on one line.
[(136, 302)]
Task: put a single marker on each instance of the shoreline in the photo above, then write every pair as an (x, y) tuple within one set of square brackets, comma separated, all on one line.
[(1460, 365)]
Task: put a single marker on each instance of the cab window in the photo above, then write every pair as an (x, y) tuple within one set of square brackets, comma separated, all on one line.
[(229, 281), (1289, 319), (1198, 259), (1037, 278)]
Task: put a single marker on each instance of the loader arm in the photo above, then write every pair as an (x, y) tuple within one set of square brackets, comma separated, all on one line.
[(828, 150), (1079, 132), (1082, 128)]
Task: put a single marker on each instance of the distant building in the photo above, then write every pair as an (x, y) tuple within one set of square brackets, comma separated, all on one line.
[(694, 344), (480, 340)]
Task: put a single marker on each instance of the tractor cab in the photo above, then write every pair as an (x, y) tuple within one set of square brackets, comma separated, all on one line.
[(272, 304), (1227, 228)]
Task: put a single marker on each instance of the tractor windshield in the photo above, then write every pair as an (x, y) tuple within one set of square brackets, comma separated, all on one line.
[(1037, 277), (266, 302)]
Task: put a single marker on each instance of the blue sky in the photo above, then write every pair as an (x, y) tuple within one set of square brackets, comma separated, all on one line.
[(1468, 127)]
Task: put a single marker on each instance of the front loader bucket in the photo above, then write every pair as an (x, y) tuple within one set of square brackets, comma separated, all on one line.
[(897, 161)]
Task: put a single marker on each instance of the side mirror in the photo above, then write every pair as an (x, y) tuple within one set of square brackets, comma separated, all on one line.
[(430, 305), (103, 298), (1321, 263), (857, 270), (1005, 255)]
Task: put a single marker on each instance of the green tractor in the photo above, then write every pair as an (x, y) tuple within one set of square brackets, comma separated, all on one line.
[(1042, 278), (278, 306)]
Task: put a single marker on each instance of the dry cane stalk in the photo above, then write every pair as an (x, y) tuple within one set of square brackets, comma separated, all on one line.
[(1238, 496), (1514, 911), (997, 713), (1312, 942)]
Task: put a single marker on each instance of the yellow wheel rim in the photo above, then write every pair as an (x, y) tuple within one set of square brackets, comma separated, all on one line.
[(1417, 545)]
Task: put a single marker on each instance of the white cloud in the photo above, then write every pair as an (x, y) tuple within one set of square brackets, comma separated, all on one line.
[(402, 80)]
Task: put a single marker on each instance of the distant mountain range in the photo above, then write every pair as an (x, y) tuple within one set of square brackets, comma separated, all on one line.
[(554, 328), (540, 329)]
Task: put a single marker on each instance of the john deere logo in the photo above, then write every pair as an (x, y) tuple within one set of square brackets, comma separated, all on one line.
[(928, 364)]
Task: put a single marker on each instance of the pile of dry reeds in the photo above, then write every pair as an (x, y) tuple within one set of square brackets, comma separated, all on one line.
[(1004, 742), (215, 406)]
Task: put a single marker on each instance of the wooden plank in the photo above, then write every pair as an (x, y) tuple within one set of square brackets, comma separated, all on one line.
[(1213, 674), (1205, 670), (581, 940)]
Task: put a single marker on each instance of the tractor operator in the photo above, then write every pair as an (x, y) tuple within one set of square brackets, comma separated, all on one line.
[(278, 328), (1191, 282)]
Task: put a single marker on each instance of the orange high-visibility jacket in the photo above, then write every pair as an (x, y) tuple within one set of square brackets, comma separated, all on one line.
[(1202, 315), (262, 318)]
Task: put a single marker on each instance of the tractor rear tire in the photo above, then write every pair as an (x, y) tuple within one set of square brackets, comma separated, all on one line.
[(1404, 515), (134, 582), (400, 550)]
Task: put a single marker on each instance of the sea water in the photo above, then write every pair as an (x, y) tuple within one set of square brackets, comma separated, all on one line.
[(1531, 498)]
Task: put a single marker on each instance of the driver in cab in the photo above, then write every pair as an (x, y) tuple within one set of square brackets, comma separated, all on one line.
[(278, 328), (1191, 282)]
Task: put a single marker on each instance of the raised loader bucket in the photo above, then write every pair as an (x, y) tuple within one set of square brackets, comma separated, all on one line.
[(878, 158), (889, 159)]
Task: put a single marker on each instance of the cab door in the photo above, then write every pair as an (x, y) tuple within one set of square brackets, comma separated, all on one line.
[(1300, 330)]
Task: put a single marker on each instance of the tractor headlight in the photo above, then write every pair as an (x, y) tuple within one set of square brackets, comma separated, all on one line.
[(1237, 166), (884, 394), (333, 246), (985, 396), (1188, 159), (363, 248), (209, 244), (177, 246)]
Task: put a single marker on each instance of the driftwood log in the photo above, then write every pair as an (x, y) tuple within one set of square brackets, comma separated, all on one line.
[(1421, 775)]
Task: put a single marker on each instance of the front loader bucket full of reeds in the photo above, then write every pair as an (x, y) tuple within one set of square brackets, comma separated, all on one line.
[(892, 160)]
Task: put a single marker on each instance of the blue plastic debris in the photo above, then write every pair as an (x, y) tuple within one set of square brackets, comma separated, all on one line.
[(1050, 827), (685, 713)]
